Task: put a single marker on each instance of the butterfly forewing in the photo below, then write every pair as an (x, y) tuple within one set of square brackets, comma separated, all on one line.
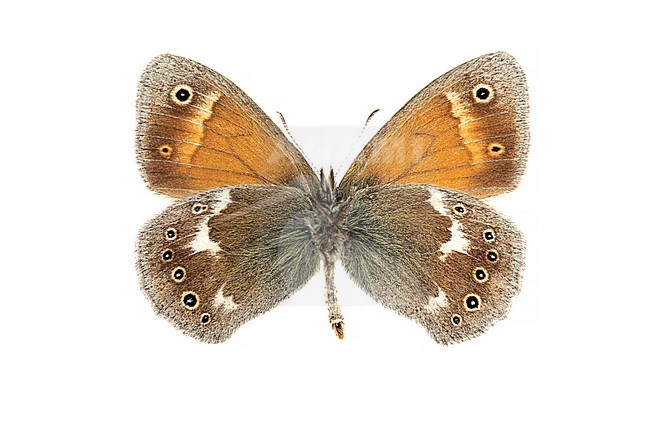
[(439, 257), (197, 131), (212, 261), (467, 130)]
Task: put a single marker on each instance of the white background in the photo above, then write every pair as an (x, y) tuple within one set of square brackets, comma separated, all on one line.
[(81, 348)]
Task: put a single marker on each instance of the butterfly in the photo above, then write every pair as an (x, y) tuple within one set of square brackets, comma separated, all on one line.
[(253, 222)]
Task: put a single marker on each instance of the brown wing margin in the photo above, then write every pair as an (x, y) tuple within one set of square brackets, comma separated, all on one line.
[(467, 130), (196, 130)]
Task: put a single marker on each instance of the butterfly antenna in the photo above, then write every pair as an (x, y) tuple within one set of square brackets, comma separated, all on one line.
[(368, 121), (286, 128), (375, 111), (293, 140)]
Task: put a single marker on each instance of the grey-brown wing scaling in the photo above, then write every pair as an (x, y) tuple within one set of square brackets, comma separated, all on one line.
[(440, 257), (212, 261)]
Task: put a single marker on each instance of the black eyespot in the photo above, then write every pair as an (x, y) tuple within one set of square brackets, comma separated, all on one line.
[(199, 208), (170, 233), (489, 235), (492, 255), (456, 320), (190, 300), (167, 255), (459, 209), (183, 94), (165, 151), (482, 93), (179, 274), (480, 275), (495, 148), (205, 318), (472, 302)]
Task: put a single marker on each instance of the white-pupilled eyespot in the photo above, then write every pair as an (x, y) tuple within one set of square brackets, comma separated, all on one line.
[(179, 274), (472, 302), (492, 256), (171, 233), (182, 94), (489, 235), (483, 93), (205, 318), (190, 300), (167, 255), (199, 208), (480, 275), (456, 320)]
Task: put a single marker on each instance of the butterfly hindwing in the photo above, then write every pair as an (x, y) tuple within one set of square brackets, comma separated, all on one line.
[(214, 260), (197, 131), (467, 131), (439, 257)]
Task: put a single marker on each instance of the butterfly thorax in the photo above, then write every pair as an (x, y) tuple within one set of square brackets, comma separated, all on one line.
[(329, 207)]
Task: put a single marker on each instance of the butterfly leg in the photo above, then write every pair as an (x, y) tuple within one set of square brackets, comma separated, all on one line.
[(336, 317)]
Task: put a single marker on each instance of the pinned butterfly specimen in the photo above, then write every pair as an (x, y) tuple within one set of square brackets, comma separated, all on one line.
[(253, 222)]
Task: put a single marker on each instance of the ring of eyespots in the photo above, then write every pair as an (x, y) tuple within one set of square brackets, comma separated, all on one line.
[(456, 320), (489, 235), (205, 318), (170, 234), (167, 255), (182, 94), (480, 275), (495, 149), (483, 93), (179, 274), (492, 256), (190, 300), (459, 209), (472, 302), (199, 208), (165, 151)]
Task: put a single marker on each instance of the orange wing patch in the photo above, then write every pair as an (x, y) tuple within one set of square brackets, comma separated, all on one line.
[(197, 131), (466, 131), (470, 146)]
